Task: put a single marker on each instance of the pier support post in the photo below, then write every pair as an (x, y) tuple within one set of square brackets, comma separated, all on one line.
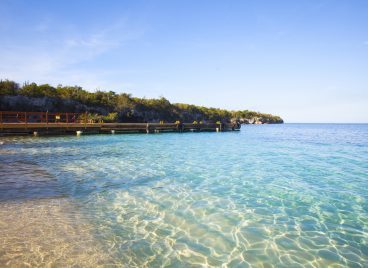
[(147, 128), (25, 119), (220, 127)]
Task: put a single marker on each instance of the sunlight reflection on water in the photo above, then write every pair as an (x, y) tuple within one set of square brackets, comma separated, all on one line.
[(286, 195)]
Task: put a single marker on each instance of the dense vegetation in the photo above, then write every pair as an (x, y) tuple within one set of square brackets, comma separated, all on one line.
[(114, 107)]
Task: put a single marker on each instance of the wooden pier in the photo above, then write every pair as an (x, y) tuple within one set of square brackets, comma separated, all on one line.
[(39, 123)]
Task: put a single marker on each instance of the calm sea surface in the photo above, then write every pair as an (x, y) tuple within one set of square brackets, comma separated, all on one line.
[(292, 195)]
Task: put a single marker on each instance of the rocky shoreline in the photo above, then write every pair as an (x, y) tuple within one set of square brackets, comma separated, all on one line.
[(117, 107)]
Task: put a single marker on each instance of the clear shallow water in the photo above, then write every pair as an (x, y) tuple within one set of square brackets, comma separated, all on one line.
[(288, 195)]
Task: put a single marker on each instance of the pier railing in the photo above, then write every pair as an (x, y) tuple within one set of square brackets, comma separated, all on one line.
[(41, 117)]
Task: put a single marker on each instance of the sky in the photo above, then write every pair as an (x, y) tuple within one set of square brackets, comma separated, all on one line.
[(306, 61)]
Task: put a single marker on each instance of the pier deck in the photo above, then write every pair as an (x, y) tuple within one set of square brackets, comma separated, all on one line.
[(37, 123)]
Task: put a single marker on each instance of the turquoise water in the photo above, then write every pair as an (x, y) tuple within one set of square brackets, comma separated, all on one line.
[(292, 195)]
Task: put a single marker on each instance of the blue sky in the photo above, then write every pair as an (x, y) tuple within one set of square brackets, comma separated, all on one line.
[(306, 61)]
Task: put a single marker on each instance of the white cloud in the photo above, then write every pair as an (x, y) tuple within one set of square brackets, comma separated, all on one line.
[(54, 60)]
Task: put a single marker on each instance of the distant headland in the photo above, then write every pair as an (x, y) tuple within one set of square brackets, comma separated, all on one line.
[(113, 107)]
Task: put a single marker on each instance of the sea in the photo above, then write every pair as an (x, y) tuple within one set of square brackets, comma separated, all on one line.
[(288, 195)]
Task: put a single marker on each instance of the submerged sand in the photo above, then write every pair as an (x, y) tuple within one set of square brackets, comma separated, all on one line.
[(39, 227), (39, 233)]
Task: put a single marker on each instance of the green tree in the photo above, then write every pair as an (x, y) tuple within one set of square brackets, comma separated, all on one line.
[(8, 87)]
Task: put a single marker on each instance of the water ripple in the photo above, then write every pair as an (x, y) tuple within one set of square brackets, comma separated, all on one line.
[(286, 196)]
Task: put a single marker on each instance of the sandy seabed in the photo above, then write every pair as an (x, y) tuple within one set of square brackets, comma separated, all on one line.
[(42, 233), (39, 227)]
